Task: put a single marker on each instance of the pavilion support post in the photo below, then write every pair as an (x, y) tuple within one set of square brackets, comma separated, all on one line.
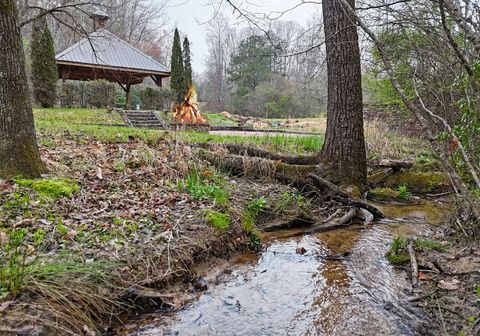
[(157, 80), (63, 91), (64, 79), (128, 103)]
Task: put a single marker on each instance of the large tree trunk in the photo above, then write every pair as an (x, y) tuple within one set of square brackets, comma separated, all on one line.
[(19, 153), (344, 148)]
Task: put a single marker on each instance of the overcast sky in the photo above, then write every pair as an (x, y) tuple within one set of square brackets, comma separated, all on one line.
[(188, 16)]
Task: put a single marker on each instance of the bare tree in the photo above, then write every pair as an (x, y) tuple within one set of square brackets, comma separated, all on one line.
[(221, 41)]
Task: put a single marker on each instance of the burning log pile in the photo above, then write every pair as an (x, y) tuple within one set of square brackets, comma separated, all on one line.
[(187, 112)]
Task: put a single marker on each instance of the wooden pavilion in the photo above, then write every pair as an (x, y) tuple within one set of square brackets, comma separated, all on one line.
[(102, 55)]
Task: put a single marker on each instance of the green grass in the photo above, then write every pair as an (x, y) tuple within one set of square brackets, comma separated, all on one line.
[(203, 187), (87, 122), (14, 266), (66, 116), (113, 134), (403, 192), (249, 215), (397, 254), (278, 143), (82, 123), (428, 244), (216, 119)]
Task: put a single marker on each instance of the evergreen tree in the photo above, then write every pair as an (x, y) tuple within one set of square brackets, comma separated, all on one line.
[(187, 63), (177, 82), (44, 67)]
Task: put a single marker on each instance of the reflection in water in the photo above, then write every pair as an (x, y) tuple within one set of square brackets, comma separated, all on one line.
[(285, 293), (334, 282)]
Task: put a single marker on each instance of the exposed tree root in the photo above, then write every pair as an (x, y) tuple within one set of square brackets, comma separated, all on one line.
[(349, 216), (303, 177), (339, 195)]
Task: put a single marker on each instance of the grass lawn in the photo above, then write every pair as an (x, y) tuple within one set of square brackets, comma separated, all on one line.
[(85, 122), (381, 142), (59, 116)]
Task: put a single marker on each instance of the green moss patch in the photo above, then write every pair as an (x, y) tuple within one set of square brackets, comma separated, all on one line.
[(418, 182), (52, 188), (383, 194), (218, 219)]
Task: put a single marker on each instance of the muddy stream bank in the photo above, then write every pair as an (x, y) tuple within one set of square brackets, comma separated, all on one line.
[(331, 283)]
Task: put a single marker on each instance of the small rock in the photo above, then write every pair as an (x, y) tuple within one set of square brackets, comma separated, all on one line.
[(449, 284), (200, 284), (5, 305), (300, 250)]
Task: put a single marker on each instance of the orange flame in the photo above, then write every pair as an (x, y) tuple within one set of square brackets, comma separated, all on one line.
[(188, 112)]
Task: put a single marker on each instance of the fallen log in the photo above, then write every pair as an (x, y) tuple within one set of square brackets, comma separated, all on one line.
[(242, 165), (239, 149), (244, 150), (395, 165)]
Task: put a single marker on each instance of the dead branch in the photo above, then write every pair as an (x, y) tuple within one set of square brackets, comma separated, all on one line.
[(413, 262)]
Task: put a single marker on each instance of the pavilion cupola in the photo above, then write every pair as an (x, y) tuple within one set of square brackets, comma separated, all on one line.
[(99, 18)]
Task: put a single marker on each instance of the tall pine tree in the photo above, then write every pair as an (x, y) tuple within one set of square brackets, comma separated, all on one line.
[(44, 67), (177, 82), (187, 63)]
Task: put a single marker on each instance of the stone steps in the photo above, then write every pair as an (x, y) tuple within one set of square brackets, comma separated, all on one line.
[(143, 119)]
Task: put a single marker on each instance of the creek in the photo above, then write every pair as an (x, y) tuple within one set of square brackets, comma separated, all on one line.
[(280, 291)]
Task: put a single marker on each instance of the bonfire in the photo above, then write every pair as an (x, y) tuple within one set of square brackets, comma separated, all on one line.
[(187, 112)]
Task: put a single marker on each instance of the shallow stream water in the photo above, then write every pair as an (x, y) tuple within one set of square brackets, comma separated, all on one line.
[(282, 292)]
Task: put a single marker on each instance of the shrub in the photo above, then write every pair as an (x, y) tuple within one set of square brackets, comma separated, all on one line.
[(99, 93), (156, 98), (403, 192)]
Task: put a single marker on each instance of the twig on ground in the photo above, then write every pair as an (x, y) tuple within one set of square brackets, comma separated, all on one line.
[(413, 262)]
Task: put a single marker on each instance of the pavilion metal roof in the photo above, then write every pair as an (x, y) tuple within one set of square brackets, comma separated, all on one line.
[(102, 49)]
